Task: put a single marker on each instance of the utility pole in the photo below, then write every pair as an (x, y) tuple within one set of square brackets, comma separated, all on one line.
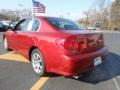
[(68, 14), (109, 13), (87, 17), (21, 6)]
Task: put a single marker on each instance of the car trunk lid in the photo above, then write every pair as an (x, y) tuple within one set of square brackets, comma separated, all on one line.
[(91, 40)]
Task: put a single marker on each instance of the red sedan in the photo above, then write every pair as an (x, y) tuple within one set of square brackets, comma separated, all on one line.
[(56, 45)]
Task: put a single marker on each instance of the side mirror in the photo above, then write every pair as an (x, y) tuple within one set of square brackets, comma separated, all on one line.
[(11, 28)]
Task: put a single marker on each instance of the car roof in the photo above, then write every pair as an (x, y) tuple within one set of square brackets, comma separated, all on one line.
[(45, 17), (42, 17)]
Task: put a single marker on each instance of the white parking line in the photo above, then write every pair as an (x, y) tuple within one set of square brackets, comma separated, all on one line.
[(110, 31), (116, 83), (118, 77), (107, 31)]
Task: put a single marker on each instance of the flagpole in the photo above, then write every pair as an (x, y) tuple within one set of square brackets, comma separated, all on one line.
[(20, 5), (32, 12), (32, 9)]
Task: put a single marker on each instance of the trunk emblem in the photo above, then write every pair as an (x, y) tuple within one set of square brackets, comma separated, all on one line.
[(92, 43)]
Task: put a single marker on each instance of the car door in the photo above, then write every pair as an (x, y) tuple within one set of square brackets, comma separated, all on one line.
[(12, 35), (26, 36)]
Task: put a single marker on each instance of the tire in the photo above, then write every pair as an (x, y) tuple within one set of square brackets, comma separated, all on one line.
[(5, 42), (38, 63)]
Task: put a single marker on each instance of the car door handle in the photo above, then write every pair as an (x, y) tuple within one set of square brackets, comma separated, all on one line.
[(29, 37), (9, 34)]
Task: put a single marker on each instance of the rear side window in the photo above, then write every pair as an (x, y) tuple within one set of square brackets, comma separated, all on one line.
[(63, 24), (36, 25)]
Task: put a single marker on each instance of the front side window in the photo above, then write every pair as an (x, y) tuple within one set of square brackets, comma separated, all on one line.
[(63, 24), (20, 25), (31, 24), (28, 24)]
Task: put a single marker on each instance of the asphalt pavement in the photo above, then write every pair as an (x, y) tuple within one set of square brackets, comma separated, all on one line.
[(16, 75)]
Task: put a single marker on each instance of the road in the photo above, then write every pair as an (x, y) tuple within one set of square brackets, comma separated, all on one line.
[(15, 75)]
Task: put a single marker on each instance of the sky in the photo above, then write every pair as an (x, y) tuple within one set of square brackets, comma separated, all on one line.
[(72, 9)]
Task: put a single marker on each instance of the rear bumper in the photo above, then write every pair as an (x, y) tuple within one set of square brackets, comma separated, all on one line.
[(78, 64)]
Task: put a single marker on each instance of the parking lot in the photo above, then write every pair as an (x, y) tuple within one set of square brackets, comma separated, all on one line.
[(16, 72)]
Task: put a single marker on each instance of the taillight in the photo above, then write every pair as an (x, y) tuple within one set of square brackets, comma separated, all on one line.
[(82, 44), (72, 43), (101, 39)]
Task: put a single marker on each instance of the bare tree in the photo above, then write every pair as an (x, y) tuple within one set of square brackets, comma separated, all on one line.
[(99, 12), (14, 15), (115, 14), (87, 17)]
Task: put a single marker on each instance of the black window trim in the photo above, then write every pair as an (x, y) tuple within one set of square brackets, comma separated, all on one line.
[(18, 24)]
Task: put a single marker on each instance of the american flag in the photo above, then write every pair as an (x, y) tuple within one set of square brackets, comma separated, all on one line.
[(38, 7)]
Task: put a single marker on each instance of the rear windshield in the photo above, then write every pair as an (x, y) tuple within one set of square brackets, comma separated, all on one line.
[(63, 24)]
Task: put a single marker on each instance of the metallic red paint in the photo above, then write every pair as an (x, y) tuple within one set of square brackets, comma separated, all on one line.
[(49, 41)]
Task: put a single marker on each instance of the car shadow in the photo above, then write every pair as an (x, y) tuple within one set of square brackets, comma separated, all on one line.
[(109, 69)]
